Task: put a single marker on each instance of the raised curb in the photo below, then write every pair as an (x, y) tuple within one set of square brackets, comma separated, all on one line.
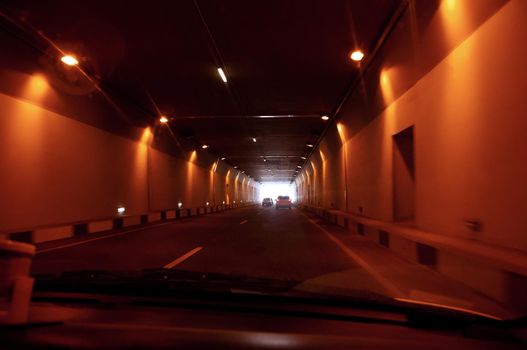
[(54, 232), (496, 272)]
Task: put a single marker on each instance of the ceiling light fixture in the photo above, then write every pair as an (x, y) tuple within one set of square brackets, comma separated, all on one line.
[(222, 75), (299, 167), (309, 145), (357, 55), (163, 120), (223, 158), (69, 60), (254, 139), (304, 158), (205, 146), (324, 117)]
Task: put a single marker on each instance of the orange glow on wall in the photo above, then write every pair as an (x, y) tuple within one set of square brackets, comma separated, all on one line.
[(314, 189), (214, 166), (146, 136), (193, 156), (341, 128), (212, 187), (189, 183), (454, 17), (324, 188), (141, 157), (227, 187), (386, 84), (36, 88), (244, 189), (236, 195)]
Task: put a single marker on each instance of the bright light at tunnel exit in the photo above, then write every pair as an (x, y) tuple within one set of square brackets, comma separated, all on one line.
[(275, 189)]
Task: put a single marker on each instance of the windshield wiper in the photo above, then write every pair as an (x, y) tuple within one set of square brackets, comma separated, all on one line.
[(158, 282)]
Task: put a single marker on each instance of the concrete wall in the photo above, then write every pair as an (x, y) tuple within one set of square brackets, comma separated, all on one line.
[(468, 114), (54, 169)]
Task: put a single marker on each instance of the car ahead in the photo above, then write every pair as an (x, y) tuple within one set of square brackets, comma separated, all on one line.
[(267, 202), (283, 202)]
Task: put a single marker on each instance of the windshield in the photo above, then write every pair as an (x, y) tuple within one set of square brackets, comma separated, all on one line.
[(334, 149)]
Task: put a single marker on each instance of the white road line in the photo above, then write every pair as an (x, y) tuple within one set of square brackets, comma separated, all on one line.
[(98, 238), (244, 222), (393, 289), (182, 258)]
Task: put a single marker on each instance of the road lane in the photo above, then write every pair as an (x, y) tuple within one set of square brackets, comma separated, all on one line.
[(137, 248), (270, 243), (280, 244), (182, 258)]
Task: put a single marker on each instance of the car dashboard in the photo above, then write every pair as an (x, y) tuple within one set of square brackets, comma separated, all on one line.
[(84, 321)]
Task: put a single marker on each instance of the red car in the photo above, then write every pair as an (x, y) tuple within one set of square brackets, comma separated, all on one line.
[(283, 202)]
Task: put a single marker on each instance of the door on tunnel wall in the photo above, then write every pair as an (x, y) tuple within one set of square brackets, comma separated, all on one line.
[(404, 175)]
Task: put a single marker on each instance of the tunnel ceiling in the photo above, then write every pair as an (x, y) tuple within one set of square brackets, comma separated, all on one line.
[(287, 63)]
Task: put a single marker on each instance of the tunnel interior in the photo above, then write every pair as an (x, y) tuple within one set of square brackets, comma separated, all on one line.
[(402, 122)]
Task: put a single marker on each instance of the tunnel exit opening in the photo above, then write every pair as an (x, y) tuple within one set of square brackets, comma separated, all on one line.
[(275, 189), (404, 176)]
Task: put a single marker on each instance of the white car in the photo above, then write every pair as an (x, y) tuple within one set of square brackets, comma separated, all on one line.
[(267, 202)]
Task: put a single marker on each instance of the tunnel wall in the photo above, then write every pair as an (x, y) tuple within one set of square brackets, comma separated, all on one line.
[(468, 114), (55, 169)]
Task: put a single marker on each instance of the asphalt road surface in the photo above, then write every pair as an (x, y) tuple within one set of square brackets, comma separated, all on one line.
[(250, 241), (262, 242)]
